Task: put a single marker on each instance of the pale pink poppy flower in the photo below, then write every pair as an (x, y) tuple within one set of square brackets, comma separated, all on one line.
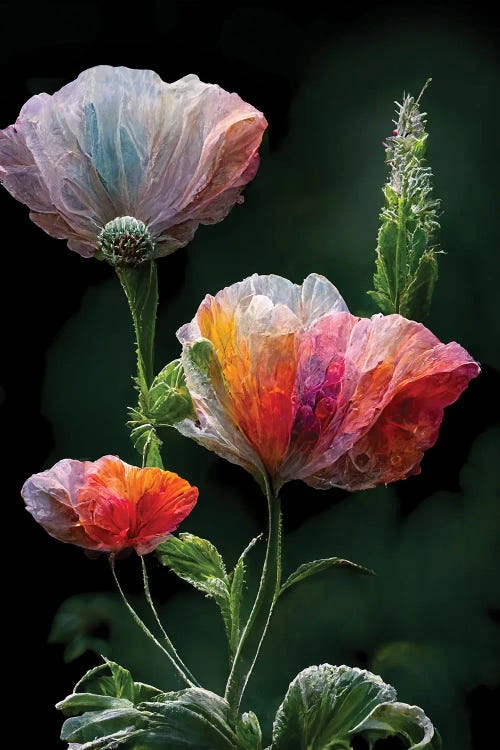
[(120, 162)]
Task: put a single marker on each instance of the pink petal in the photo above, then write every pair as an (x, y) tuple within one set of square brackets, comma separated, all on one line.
[(403, 379), (50, 498), (121, 142)]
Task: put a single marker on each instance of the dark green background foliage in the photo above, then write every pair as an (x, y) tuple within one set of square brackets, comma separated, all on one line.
[(428, 623)]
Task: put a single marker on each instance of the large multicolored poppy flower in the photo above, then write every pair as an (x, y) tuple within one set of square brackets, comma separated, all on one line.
[(120, 143), (108, 505), (295, 387)]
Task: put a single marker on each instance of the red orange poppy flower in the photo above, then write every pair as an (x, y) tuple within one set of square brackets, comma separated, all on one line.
[(108, 505)]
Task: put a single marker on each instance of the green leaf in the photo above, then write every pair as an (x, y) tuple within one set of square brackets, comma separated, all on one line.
[(235, 599), (77, 703), (326, 706), (194, 559), (106, 686), (193, 718), (100, 724), (200, 361), (317, 566), (145, 439), (418, 242), (248, 732), (197, 561), (146, 718), (108, 679), (389, 242), (202, 356), (409, 723), (237, 578), (141, 288), (417, 296), (383, 302)]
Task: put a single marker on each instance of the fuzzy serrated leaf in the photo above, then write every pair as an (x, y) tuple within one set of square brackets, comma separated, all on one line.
[(198, 562), (417, 296), (318, 566), (326, 707)]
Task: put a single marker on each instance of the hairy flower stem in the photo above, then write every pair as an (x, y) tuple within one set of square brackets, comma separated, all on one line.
[(141, 289), (256, 627), (169, 643), (169, 651)]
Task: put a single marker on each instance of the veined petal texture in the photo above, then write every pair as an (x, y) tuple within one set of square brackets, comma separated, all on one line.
[(299, 388), (120, 142), (108, 505)]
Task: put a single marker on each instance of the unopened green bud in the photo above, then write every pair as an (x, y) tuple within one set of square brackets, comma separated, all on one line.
[(126, 241), (249, 732), (169, 400)]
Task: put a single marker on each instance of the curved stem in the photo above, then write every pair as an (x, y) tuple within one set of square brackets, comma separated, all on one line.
[(170, 646), (145, 628), (256, 627)]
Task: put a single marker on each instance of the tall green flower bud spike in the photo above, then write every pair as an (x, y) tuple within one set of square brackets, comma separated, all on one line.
[(406, 266)]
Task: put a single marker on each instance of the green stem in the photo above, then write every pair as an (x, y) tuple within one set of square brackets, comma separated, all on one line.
[(170, 645), (256, 627), (145, 628), (141, 288)]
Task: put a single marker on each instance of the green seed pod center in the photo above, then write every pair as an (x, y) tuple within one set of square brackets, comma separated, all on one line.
[(126, 241)]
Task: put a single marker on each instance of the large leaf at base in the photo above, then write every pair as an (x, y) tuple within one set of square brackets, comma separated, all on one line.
[(108, 686), (326, 706), (94, 725), (409, 723), (192, 718)]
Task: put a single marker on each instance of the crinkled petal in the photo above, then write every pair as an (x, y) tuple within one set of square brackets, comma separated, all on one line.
[(401, 380), (124, 506), (108, 505), (306, 390), (50, 498), (121, 142), (309, 301), (19, 172), (255, 326)]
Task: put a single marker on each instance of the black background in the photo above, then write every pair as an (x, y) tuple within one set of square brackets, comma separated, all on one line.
[(269, 53)]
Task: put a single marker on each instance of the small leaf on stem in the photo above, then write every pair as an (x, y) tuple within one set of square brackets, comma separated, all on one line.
[(198, 562), (317, 566)]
